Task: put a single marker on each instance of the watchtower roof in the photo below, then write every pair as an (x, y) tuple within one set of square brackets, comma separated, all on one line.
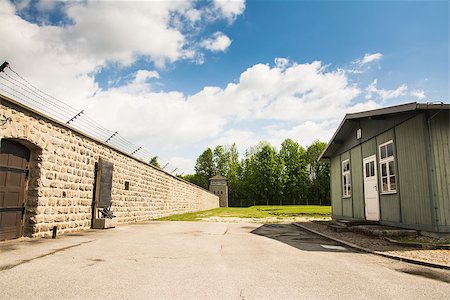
[(218, 177)]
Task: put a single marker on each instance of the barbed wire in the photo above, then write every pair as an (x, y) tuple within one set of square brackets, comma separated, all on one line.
[(15, 86)]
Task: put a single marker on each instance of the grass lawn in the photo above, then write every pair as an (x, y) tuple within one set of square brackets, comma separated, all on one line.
[(260, 212)]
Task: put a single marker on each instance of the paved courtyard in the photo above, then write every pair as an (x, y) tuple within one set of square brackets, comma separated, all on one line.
[(194, 260)]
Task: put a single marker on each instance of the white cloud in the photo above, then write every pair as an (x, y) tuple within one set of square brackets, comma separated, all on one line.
[(304, 100), (181, 164), (218, 42), (383, 94), (244, 139), (419, 94), (301, 101), (368, 58), (230, 9), (143, 75), (97, 36), (363, 64), (145, 31), (281, 62)]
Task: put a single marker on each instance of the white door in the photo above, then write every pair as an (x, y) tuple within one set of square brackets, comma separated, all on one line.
[(371, 188)]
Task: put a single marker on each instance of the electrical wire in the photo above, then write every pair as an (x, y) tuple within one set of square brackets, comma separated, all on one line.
[(17, 83), (44, 93), (22, 90)]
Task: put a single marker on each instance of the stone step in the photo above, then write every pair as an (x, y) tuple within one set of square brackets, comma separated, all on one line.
[(383, 231), (349, 223)]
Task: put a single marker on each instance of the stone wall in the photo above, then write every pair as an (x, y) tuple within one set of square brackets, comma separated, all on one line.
[(61, 178)]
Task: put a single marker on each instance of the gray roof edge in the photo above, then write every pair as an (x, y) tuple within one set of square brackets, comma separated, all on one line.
[(398, 109), (384, 111)]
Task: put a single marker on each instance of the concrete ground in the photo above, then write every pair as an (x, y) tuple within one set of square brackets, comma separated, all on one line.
[(195, 260)]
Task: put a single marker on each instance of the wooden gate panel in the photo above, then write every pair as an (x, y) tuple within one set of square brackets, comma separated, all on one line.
[(13, 171)]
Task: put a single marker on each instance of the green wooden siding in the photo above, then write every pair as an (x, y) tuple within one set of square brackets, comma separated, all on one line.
[(413, 171), (357, 183), (336, 193), (441, 152), (369, 148)]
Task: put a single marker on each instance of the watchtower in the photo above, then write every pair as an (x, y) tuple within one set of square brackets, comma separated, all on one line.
[(218, 185)]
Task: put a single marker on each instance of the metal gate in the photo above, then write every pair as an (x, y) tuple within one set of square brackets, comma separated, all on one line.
[(14, 160)]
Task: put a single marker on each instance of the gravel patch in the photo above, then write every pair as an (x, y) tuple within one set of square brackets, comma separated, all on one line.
[(382, 245)]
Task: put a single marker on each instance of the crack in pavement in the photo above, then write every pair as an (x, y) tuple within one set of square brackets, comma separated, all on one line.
[(24, 261)]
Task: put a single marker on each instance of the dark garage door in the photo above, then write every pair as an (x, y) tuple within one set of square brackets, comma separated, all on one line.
[(13, 172)]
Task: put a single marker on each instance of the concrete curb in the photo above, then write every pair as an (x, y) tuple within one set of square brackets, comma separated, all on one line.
[(363, 249)]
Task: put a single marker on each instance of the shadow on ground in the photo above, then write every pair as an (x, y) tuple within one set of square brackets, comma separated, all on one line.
[(298, 238)]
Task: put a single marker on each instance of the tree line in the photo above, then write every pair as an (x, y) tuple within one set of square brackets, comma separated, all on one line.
[(265, 176)]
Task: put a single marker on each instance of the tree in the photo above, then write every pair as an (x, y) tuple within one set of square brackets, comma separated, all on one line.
[(296, 173), (220, 161), (204, 167), (319, 189), (154, 161), (268, 174), (193, 178), (232, 174), (264, 176)]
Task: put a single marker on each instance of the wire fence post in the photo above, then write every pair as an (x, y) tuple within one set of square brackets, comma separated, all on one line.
[(111, 137), (136, 150), (74, 117)]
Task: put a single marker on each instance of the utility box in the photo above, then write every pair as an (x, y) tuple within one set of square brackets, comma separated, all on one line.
[(218, 186)]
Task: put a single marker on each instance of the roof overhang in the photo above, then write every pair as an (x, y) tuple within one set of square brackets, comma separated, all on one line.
[(342, 131)]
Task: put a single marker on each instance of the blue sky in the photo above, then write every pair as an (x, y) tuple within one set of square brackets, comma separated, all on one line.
[(176, 77)]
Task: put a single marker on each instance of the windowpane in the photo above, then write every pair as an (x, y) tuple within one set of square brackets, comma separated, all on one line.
[(383, 170), (391, 168), (345, 180), (368, 170), (383, 152), (390, 149), (392, 183), (385, 184), (345, 166), (372, 168)]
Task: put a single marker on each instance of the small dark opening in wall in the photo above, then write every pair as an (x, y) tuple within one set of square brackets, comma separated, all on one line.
[(127, 185)]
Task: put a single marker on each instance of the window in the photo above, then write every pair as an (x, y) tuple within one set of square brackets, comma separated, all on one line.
[(387, 167), (370, 169), (358, 133), (127, 185), (346, 182)]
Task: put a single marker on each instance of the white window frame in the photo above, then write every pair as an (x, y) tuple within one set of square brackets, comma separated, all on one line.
[(346, 180), (387, 189)]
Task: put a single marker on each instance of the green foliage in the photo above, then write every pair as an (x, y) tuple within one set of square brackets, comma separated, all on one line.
[(204, 168), (294, 157), (267, 177), (154, 161), (220, 161), (319, 187), (193, 178)]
